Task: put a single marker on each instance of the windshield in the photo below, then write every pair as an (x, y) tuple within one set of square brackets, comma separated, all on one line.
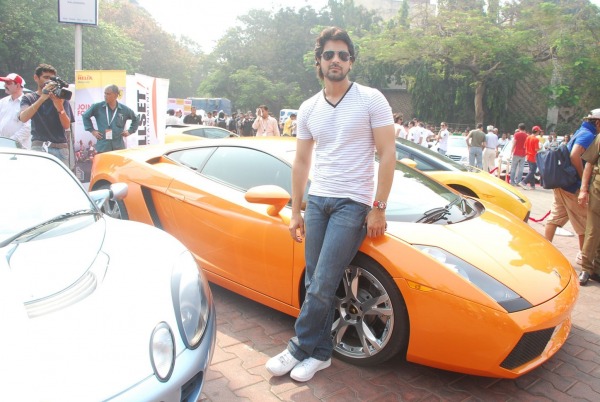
[(422, 154), (35, 190), (414, 194), (457, 142)]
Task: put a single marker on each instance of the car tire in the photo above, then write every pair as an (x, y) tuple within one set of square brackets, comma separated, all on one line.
[(115, 209), (371, 320)]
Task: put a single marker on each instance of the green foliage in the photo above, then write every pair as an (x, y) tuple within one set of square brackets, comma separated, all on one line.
[(463, 64), (30, 35)]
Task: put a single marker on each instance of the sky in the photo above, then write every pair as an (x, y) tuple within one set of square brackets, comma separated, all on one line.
[(206, 22)]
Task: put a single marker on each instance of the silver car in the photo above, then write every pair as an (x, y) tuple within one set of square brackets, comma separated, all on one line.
[(93, 308)]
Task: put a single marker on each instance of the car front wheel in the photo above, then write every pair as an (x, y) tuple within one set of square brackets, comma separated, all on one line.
[(371, 320)]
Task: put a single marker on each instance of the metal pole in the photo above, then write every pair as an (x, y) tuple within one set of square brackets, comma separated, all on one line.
[(78, 47)]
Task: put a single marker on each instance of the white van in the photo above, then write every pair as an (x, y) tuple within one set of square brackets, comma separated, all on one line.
[(284, 114)]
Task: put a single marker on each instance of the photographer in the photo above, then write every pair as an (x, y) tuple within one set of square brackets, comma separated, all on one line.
[(265, 125), (110, 117), (50, 113)]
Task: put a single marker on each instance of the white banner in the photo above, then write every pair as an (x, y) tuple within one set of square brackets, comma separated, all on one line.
[(147, 97)]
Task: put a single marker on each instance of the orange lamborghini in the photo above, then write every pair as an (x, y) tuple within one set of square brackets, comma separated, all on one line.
[(456, 283)]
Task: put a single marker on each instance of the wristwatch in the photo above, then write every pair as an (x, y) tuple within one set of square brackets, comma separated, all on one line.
[(380, 205)]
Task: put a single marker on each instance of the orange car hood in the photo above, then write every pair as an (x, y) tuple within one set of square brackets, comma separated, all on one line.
[(503, 247)]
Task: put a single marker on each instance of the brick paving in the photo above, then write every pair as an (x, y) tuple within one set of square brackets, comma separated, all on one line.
[(248, 334)]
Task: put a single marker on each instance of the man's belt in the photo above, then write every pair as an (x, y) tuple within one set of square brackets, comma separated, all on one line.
[(50, 144)]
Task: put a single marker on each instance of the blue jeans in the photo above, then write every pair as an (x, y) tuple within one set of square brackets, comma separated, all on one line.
[(475, 157), (517, 165), (335, 229), (61, 153), (530, 178)]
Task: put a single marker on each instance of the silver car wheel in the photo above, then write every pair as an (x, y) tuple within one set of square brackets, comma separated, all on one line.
[(370, 320)]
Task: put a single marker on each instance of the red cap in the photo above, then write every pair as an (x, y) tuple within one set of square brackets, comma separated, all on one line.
[(536, 129), (14, 77)]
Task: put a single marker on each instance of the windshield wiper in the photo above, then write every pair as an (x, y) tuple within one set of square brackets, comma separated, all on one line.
[(435, 214), (47, 225)]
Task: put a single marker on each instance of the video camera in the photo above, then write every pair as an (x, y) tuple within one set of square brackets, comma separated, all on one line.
[(59, 89)]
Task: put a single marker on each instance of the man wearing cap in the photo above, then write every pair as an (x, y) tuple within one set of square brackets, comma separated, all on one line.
[(589, 195), (10, 106), (532, 146), (50, 116), (566, 206)]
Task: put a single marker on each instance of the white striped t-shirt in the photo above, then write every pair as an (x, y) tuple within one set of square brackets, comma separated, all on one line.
[(344, 144)]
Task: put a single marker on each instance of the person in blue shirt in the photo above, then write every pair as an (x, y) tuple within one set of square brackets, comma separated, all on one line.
[(566, 207), (110, 116)]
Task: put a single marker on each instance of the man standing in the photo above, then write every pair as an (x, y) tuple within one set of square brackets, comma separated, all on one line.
[(265, 125), (532, 146), (442, 139), (50, 116), (565, 207), (111, 117), (193, 118), (10, 106), (246, 124), (345, 123), (517, 160), (475, 144), (589, 195), (491, 149)]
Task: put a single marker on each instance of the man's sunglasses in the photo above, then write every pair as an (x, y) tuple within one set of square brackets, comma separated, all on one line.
[(343, 55)]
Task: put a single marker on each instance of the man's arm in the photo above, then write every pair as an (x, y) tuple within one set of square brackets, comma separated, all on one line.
[(576, 160), (135, 122), (23, 133), (386, 150), (28, 111), (300, 170), (467, 138), (87, 119)]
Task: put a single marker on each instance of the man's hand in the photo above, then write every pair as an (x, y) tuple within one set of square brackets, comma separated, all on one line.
[(297, 227), (376, 224), (125, 133)]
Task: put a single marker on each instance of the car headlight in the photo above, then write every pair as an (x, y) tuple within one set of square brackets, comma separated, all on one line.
[(503, 295), (162, 351), (191, 299)]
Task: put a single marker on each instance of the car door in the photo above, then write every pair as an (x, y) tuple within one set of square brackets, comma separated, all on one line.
[(233, 238)]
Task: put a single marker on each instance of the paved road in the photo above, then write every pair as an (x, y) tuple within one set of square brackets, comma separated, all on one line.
[(249, 334)]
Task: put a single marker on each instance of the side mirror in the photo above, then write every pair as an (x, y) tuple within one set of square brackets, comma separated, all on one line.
[(274, 196)]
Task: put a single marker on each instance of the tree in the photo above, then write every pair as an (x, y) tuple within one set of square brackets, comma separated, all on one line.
[(162, 55)]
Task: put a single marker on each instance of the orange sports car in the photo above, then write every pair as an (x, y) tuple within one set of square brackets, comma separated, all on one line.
[(456, 283)]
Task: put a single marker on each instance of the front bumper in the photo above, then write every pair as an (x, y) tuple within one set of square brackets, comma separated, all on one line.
[(455, 334), (187, 379)]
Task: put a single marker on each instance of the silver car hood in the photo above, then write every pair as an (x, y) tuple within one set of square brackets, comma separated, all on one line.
[(96, 347)]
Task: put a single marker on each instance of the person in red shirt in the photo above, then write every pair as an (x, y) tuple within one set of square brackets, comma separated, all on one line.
[(532, 146), (518, 155)]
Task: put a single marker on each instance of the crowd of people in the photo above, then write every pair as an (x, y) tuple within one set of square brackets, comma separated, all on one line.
[(259, 123)]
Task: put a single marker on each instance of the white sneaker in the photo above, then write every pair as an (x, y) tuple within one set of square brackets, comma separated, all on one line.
[(578, 258), (306, 369), (523, 186), (281, 364)]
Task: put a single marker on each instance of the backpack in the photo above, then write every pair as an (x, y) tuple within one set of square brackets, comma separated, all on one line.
[(555, 166), (221, 123)]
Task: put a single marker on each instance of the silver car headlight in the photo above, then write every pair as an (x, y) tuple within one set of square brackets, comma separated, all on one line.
[(191, 299), (502, 294), (162, 351)]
